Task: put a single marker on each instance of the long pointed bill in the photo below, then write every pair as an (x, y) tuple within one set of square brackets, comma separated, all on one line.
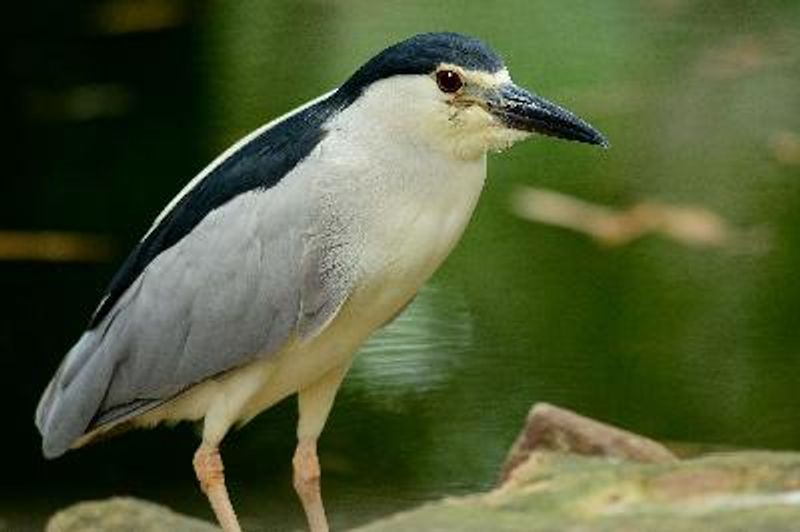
[(519, 109)]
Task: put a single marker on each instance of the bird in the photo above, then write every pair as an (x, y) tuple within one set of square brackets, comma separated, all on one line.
[(263, 276)]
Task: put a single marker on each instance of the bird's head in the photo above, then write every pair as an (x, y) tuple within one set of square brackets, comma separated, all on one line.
[(455, 94)]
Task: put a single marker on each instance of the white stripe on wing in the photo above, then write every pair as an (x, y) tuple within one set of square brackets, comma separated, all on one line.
[(227, 154)]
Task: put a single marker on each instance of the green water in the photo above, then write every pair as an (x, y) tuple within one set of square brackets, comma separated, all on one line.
[(700, 101)]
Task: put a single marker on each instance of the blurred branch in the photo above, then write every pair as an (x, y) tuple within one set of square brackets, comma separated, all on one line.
[(54, 246), (747, 54), (133, 16), (688, 225), (81, 102)]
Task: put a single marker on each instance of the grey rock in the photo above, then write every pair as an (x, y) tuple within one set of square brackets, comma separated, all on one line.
[(124, 514)]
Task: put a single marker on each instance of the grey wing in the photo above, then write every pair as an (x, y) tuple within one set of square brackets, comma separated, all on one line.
[(247, 278)]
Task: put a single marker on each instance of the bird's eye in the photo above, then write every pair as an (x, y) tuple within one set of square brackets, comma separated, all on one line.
[(448, 81)]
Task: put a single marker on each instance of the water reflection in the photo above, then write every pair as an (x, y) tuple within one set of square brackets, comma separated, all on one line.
[(418, 352)]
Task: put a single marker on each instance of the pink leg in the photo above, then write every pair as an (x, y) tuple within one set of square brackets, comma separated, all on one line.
[(306, 483), (314, 403), (209, 469)]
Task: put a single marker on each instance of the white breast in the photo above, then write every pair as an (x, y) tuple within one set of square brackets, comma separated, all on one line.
[(412, 232)]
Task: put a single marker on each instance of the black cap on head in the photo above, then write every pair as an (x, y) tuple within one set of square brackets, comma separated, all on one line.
[(421, 54)]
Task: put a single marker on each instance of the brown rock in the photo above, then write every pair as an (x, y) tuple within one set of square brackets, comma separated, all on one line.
[(551, 428)]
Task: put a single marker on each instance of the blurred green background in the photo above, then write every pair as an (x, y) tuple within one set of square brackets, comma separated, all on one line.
[(111, 106)]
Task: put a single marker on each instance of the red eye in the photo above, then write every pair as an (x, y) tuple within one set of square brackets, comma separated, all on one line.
[(448, 81)]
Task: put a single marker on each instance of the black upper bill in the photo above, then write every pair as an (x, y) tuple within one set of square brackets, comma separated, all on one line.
[(519, 109)]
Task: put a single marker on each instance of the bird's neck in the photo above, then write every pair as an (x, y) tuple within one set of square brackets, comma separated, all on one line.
[(405, 208)]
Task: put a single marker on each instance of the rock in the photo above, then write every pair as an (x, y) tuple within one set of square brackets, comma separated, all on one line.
[(565, 473), (551, 428), (573, 474), (124, 514), (741, 491)]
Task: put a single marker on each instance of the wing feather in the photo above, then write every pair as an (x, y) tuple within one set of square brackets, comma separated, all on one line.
[(204, 292)]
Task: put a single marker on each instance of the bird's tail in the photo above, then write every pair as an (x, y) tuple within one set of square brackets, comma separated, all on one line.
[(74, 395)]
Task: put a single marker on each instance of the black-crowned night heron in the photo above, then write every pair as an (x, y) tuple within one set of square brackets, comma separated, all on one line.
[(271, 267)]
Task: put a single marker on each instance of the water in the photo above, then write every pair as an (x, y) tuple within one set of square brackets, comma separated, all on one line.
[(114, 112)]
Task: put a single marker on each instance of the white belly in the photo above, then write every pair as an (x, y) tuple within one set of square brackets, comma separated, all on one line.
[(405, 242)]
